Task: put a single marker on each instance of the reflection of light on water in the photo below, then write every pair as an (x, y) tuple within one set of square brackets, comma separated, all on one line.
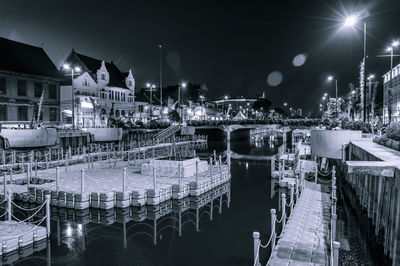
[(247, 166), (68, 232)]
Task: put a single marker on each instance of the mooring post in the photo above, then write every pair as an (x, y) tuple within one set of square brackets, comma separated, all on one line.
[(197, 172), (47, 197), (256, 242), (123, 180), (65, 163), (210, 169), (336, 247), (28, 180), (273, 232), (334, 217), (334, 200), (215, 157), (36, 168), (280, 172), (82, 180), (179, 176), (3, 156), (220, 166), (57, 179), (297, 188), (154, 179), (283, 210), (9, 205), (316, 174)]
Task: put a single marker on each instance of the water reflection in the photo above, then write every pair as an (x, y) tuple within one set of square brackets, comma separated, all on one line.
[(262, 143), (76, 230)]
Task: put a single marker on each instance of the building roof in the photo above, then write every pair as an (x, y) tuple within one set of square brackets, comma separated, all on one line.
[(26, 59), (91, 65)]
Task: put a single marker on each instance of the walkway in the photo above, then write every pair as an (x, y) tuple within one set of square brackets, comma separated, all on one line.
[(305, 237)]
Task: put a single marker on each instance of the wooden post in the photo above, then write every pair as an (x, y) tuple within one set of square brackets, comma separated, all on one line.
[(9, 205), (123, 180), (82, 180), (154, 179), (273, 230), (283, 210), (47, 197), (256, 243), (57, 179), (336, 247)]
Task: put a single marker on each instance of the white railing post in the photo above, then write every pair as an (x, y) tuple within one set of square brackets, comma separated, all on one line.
[(256, 243), (334, 217), (154, 179), (5, 184), (215, 157), (283, 209), (48, 214), (179, 176), (336, 247), (123, 180), (316, 174), (291, 198), (273, 230), (57, 179), (9, 205), (210, 169), (220, 166), (297, 188), (82, 180)]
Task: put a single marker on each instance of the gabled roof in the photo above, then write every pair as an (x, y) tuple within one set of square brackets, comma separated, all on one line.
[(26, 59), (91, 65)]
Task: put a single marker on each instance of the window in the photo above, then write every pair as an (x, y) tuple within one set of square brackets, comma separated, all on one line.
[(85, 83), (130, 83), (3, 89), (38, 89), (140, 108), (53, 114), (22, 113), (21, 87), (3, 113), (123, 113), (52, 91), (103, 76)]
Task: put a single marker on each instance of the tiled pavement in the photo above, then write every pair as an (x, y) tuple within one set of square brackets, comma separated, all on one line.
[(304, 240)]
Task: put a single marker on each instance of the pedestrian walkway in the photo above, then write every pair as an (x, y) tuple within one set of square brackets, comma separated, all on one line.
[(305, 237)]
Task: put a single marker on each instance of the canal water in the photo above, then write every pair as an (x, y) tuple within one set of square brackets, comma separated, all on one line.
[(185, 234)]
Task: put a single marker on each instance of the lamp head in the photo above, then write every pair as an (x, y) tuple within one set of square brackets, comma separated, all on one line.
[(350, 21), (183, 85), (77, 69), (330, 78), (66, 66)]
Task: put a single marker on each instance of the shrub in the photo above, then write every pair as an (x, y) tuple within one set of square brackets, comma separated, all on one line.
[(393, 131)]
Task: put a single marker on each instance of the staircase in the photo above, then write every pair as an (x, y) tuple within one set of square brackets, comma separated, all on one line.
[(165, 133)]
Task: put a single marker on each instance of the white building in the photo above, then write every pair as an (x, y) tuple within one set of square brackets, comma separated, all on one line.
[(101, 90)]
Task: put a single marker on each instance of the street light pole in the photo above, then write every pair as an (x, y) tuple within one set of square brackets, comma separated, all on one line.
[(365, 70), (73, 98), (161, 102), (337, 114)]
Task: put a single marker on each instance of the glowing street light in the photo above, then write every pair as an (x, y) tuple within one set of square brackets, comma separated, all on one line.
[(350, 21), (77, 70), (151, 87), (330, 78), (226, 97)]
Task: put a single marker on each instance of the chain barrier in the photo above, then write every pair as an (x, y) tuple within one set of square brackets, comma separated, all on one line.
[(31, 230), (28, 209), (26, 219)]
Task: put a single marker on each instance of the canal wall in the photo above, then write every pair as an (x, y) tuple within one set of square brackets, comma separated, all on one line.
[(370, 182)]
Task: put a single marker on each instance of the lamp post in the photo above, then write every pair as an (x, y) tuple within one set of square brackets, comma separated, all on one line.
[(370, 78), (183, 85), (330, 78), (351, 21), (77, 69), (161, 103), (151, 87), (390, 49), (285, 104)]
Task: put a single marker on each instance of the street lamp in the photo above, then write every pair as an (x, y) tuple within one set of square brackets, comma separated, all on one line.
[(351, 21), (330, 78), (183, 85), (390, 49), (151, 87), (370, 78), (77, 69)]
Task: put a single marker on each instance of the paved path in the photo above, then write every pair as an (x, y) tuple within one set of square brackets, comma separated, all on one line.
[(304, 240)]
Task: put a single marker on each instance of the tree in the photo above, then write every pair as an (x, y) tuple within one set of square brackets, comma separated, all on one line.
[(331, 112), (174, 116), (262, 105)]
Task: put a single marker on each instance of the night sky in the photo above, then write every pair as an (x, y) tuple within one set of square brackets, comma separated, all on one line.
[(231, 46)]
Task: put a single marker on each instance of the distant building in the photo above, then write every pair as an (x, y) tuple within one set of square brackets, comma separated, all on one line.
[(101, 90), (26, 72), (234, 106), (391, 96)]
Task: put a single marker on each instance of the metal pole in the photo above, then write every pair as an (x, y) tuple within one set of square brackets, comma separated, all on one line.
[(57, 178), (337, 114), (9, 205), (161, 102), (365, 69), (256, 241), (82, 180), (283, 209), (73, 98), (123, 181), (154, 179), (273, 215), (48, 214)]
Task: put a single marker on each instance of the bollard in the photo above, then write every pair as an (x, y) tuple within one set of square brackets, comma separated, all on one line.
[(154, 179), (334, 217), (215, 157), (57, 179), (336, 247), (256, 241), (179, 176), (82, 180), (197, 172), (283, 209), (48, 214), (9, 205), (291, 198), (123, 180), (220, 159), (273, 218)]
